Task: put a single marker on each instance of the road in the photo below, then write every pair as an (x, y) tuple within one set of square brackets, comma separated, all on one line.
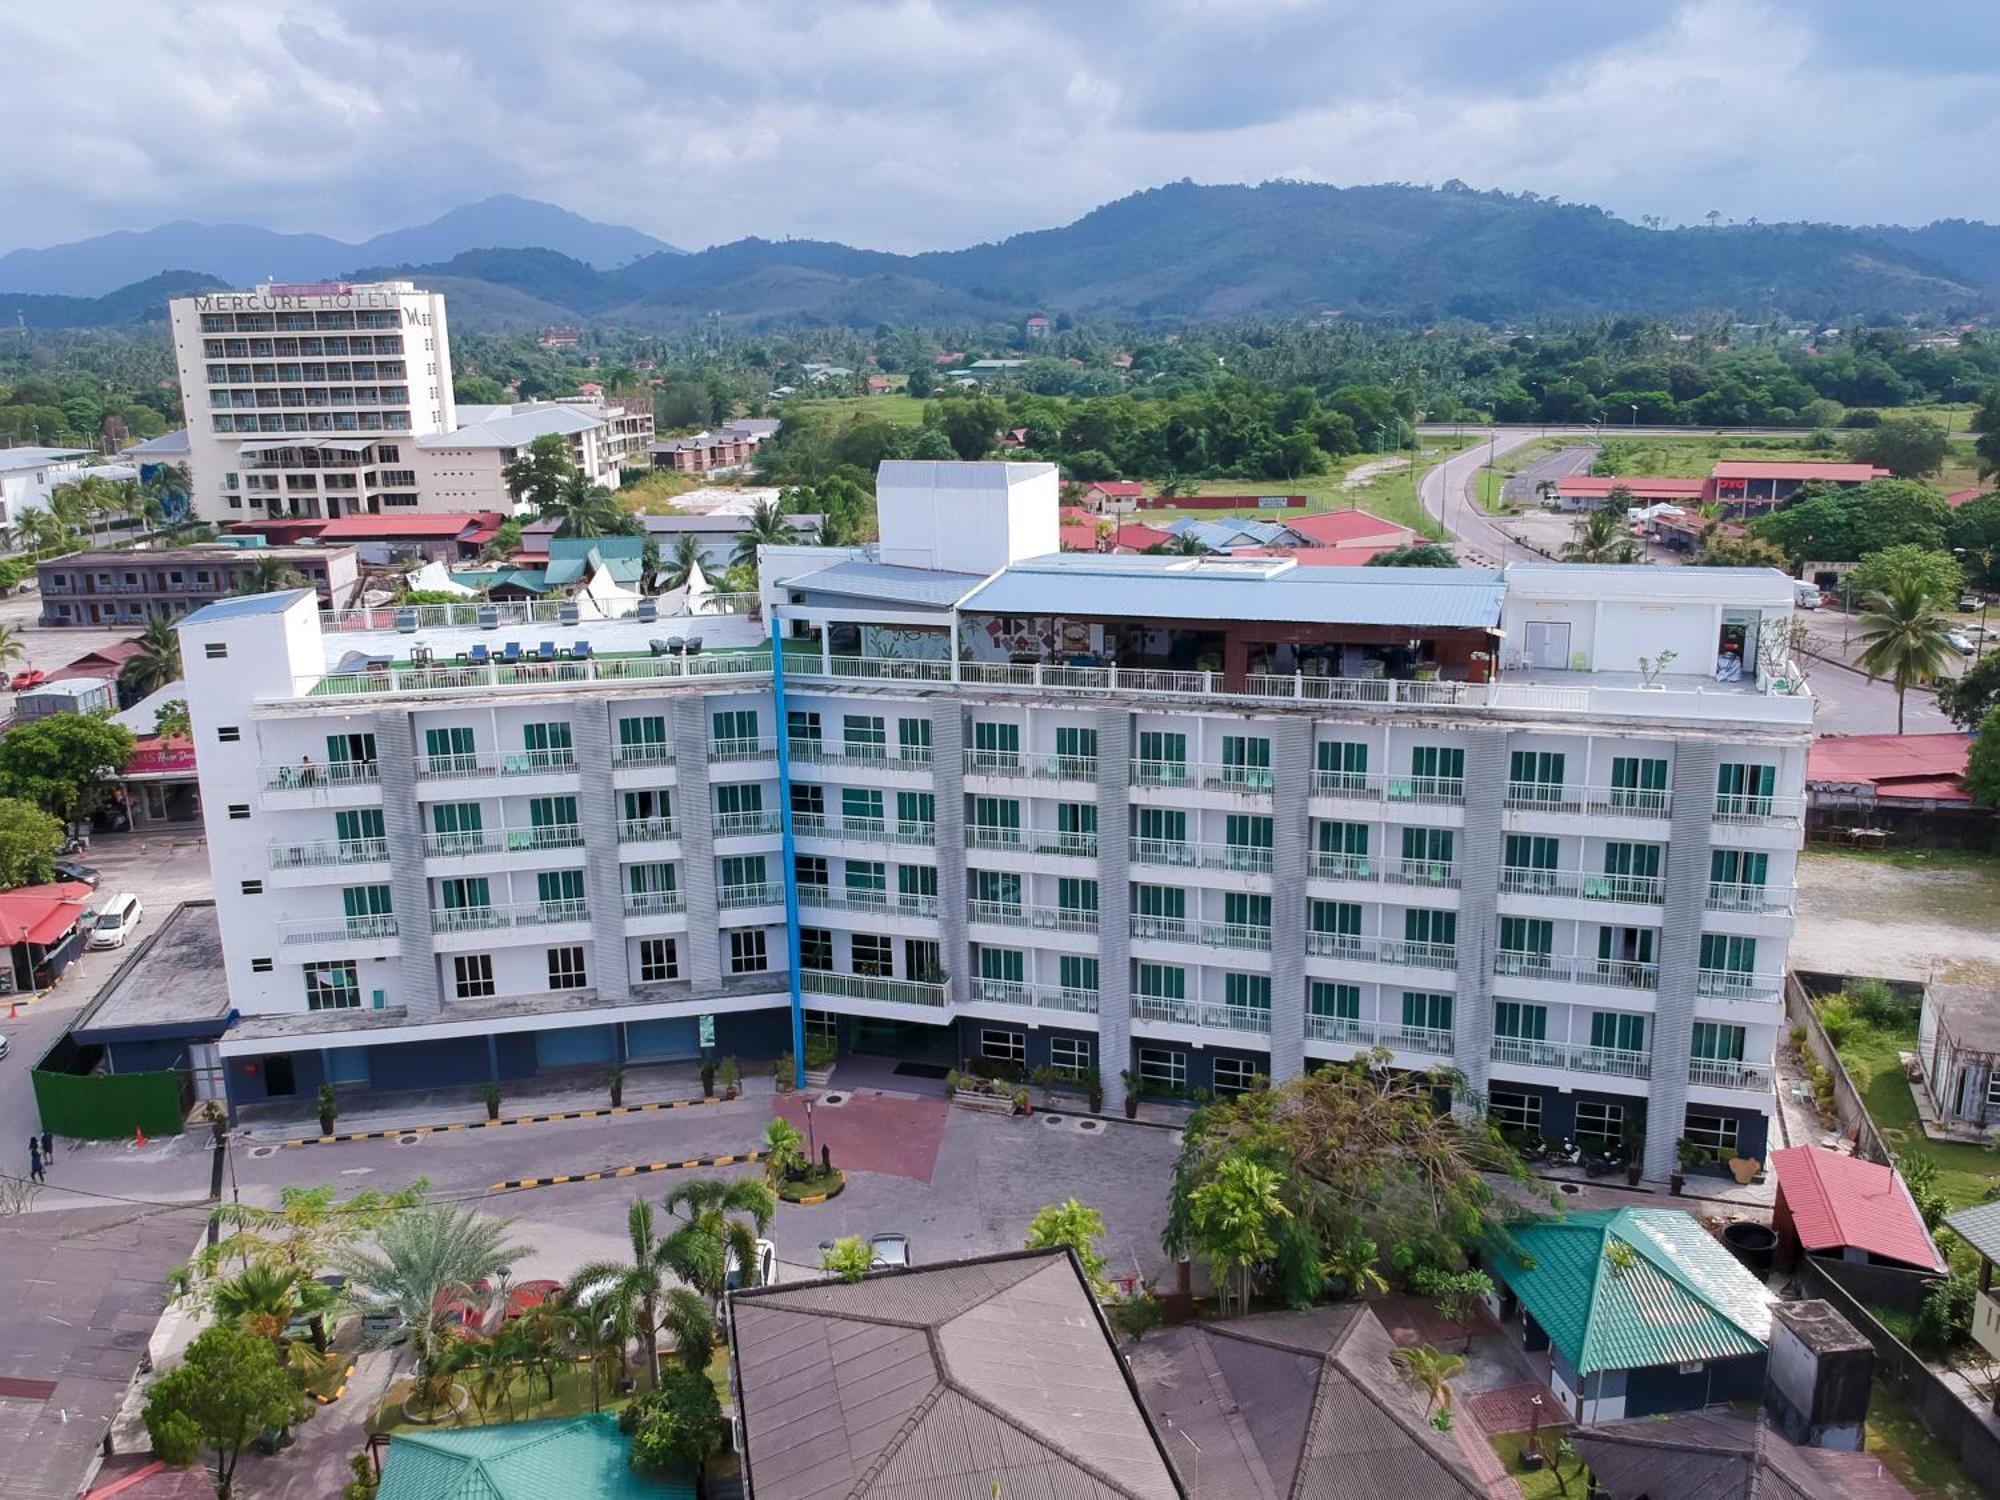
[(1445, 494)]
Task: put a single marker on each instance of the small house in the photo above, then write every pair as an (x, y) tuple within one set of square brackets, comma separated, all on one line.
[(1958, 1055), (1848, 1209), (1640, 1311), (579, 1458), (1979, 1227)]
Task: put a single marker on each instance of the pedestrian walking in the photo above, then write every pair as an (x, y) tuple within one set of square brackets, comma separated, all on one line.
[(48, 1147), (35, 1160)]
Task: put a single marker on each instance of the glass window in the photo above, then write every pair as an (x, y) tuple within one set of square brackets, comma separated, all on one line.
[(916, 810), (1160, 901), (1247, 831), (1246, 761), (449, 749), (1738, 867), (1426, 1012), (1617, 1031), (1008, 965), (1162, 1070), (333, 986), (1241, 909), (472, 975), (658, 960), (462, 894), (1712, 1132), (649, 731), (1512, 1110), (1641, 862), (1427, 846), (1071, 1056), (1535, 775), (1162, 825), (802, 729), (552, 812), (996, 1045), (864, 736), (1526, 851), (1076, 971), (808, 800), (747, 952), (1342, 1002), (1342, 918), (1162, 747), (995, 744), (1162, 981), (1423, 925), (860, 804), (1345, 838), (996, 813), (1744, 790), (913, 738), (559, 887), (1639, 782), (1235, 1075), (1248, 991), (357, 825), (816, 949), (547, 744), (365, 901), (566, 969), (867, 875), (917, 880), (872, 955), (1599, 1123), (995, 887), (1079, 818), (1441, 765), (1079, 895), (1715, 1041), (1076, 744), (1527, 935), (733, 798), (734, 729), (1342, 764), (810, 870), (1730, 955), (1529, 1023)]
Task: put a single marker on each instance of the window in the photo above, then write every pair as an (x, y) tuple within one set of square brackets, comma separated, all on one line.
[(1716, 1042), (746, 951), (808, 800), (1077, 823), (860, 805), (995, 745), (1007, 965), (999, 817), (1247, 991), (734, 730), (648, 807), (1342, 765), (872, 955), (1240, 909), (810, 869), (239, 810), (1527, 1023), (215, 650), (1160, 825), (1162, 1071), (913, 738), (743, 870), (1078, 974), (735, 798), (866, 877), (1438, 929), (1245, 831), (1079, 897), (1071, 1056), (1435, 771), (566, 969), (1711, 1132), (1076, 748), (264, 966), (1744, 791), (472, 975), (1162, 758), (548, 744), (229, 734), (917, 881), (334, 986), (823, 1024), (802, 730), (863, 737), (1162, 982), (1335, 918), (1004, 1046), (1348, 838), (560, 893), (1165, 905), (1340, 1002), (253, 887), (1535, 776), (360, 902), (658, 960), (1515, 1111), (642, 738), (447, 749), (1728, 955), (922, 962), (1617, 1031), (1634, 870), (1738, 867), (1599, 1123), (1235, 1075), (915, 811), (1426, 1012), (356, 825), (816, 949), (1528, 936), (1639, 783), (1246, 761)]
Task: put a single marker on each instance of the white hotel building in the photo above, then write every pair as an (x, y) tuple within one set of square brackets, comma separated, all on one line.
[(1197, 818), (308, 400)]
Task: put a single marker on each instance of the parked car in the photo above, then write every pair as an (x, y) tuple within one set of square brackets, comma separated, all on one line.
[(767, 1267), (889, 1250), (1967, 603), (76, 870), (115, 921), (27, 677), (1959, 642)]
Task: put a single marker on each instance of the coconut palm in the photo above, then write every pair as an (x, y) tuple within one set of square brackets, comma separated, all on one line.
[(783, 1151), (268, 575), (680, 565), (261, 1299), (426, 1256), (11, 648), (157, 661), (1430, 1371), (1904, 638), (719, 1220), (769, 527), (586, 509), (1600, 537), (630, 1293), (167, 488), (41, 531)]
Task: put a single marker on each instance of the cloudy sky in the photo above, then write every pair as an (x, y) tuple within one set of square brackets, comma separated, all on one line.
[(914, 124)]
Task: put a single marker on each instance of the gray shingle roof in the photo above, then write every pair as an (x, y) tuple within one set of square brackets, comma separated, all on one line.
[(1713, 1456), (936, 1384)]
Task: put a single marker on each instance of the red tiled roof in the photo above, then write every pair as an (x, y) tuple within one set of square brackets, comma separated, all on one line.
[(1117, 489), (1924, 789), (42, 912), (1840, 1202), (369, 527), (1139, 537), (1836, 473), (1340, 528), (1853, 759), (1639, 486)]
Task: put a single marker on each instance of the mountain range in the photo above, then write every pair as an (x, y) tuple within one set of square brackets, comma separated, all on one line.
[(1178, 253)]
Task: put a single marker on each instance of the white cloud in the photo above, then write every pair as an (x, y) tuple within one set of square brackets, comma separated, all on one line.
[(912, 124)]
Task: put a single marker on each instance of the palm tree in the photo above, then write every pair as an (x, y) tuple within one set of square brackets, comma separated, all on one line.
[(268, 575), (782, 1153), (167, 488), (11, 648), (422, 1257), (768, 528), (157, 661), (713, 1229), (41, 531), (1430, 1371), (633, 1291), (685, 1315), (1904, 638), (686, 557), (586, 509), (261, 1299), (1600, 538)]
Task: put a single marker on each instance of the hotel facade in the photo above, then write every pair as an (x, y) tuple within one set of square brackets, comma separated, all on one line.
[(1185, 821)]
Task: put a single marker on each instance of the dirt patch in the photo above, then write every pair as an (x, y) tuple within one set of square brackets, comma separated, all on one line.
[(1901, 916)]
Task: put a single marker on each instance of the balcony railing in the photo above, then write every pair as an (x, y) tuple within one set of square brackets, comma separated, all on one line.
[(1733, 984), (1035, 996), (1609, 973), (465, 841), (645, 830), (866, 987), (1715, 1074), (1530, 1052), (653, 903), (1038, 918), (1522, 880), (1070, 845), (305, 775), (1589, 801), (745, 824), (742, 749), (1339, 1029), (323, 852), (1236, 935), (642, 755), (811, 752), (1244, 859), (1361, 785), (1419, 955), (1253, 781), (867, 830), (1776, 900), (496, 763), (548, 836), (1614, 1062), (1425, 872), (521, 914), (1208, 1013), (1434, 790), (1737, 808), (1425, 1039), (874, 903), (1323, 865), (1042, 765), (321, 930), (737, 897), (1162, 929), (1357, 949), (1162, 773)]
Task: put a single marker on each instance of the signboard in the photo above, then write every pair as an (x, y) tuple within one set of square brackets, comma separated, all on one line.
[(708, 1031), (155, 758)]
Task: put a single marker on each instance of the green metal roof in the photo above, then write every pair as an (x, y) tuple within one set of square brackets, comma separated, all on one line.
[(535, 580), (570, 557), (1682, 1298), (582, 1457)]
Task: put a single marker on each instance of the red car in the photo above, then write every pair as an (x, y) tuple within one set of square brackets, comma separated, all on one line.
[(31, 677)]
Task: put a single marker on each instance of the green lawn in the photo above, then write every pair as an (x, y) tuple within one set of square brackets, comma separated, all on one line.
[(531, 1400), (904, 411), (1540, 1484), (1693, 456), (1907, 1449), (1870, 1056)]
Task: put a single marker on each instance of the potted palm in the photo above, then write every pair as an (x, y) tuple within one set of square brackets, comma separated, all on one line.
[(614, 1079), (329, 1107), (1131, 1080), (489, 1094)]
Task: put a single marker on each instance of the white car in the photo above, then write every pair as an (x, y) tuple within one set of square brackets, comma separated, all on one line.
[(115, 921), (889, 1250), (767, 1267)]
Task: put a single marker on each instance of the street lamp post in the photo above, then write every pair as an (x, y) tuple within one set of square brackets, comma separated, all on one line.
[(812, 1151), (1635, 414)]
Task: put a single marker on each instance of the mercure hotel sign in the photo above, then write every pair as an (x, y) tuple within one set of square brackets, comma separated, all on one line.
[(313, 297)]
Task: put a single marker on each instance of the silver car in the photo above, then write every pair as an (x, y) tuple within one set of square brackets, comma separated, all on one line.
[(889, 1251)]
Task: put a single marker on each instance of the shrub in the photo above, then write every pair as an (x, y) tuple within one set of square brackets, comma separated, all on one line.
[(1135, 1317), (677, 1425), (850, 1258), (1920, 1177), (1944, 1318), (1875, 1003), (1836, 1014)]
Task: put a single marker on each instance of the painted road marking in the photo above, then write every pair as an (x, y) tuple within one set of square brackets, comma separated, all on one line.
[(640, 1170), (573, 1114)]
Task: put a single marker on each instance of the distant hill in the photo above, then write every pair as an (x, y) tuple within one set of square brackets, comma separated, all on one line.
[(142, 302), (1185, 253), (241, 255)]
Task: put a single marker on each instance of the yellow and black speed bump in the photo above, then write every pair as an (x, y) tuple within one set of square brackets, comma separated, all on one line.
[(727, 1160), (572, 1114)]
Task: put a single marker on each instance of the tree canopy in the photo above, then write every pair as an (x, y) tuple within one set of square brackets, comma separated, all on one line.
[(1982, 765), (30, 840), (64, 763), (1846, 525), (1908, 447), (1936, 573), (1416, 555), (229, 1388)]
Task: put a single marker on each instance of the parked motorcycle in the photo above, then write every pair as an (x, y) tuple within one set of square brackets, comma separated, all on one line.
[(1608, 1164), (1564, 1153)]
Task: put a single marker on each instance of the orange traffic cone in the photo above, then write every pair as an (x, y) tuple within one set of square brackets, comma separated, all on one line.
[(138, 1136)]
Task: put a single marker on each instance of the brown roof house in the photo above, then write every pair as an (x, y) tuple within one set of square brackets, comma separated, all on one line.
[(1715, 1456), (1296, 1406), (950, 1382)]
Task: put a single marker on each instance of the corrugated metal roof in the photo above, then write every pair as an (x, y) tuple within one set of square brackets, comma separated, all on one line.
[(1180, 588), (1842, 1201), (581, 1457), (887, 584), (244, 607), (1979, 1227), (1713, 1456), (1682, 1297)]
